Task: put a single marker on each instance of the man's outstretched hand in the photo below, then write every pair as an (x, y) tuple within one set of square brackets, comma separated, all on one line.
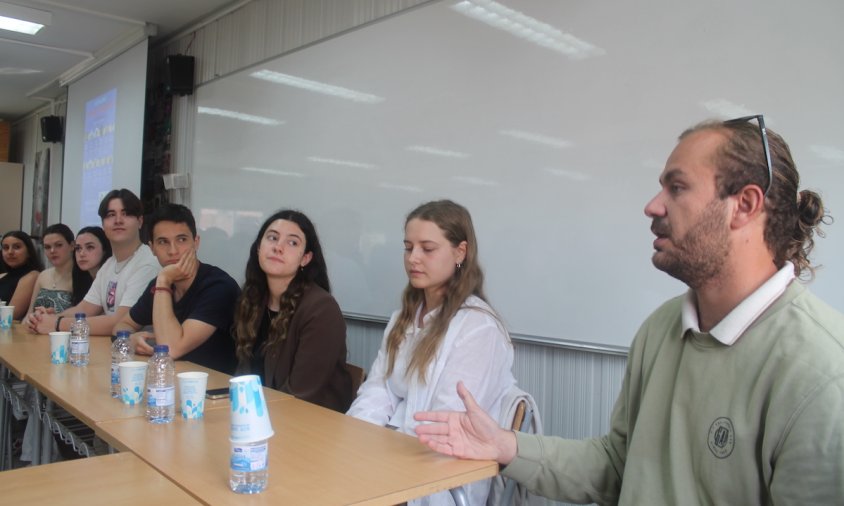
[(472, 434)]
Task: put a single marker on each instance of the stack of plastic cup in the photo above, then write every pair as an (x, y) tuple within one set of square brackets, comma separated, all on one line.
[(250, 432)]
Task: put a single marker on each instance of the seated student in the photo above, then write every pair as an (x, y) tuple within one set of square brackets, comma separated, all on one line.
[(53, 288), (288, 328), (19, 268), (445, 332), (52, 293), (190, 304), (91, 252), (121, 280)]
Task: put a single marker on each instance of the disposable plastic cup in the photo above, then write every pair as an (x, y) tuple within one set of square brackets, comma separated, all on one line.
[(250, 420), (6, 314), (59, 344), (132, 378), (192, 393)]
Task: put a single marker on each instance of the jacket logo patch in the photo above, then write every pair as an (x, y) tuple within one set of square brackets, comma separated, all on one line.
[(722, 438)]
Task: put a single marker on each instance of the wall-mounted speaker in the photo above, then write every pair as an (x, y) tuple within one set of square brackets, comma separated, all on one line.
[(51, 128), (178, 74)]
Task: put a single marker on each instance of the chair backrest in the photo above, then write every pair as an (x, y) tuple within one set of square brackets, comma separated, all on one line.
[(358, 376), (519, 415)]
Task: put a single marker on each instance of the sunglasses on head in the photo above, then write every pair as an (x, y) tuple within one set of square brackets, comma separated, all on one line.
[(760, 120)]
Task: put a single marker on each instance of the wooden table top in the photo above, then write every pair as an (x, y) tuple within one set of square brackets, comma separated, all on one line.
[(85, 391), (317, 457), (108, 480), (24, 353)]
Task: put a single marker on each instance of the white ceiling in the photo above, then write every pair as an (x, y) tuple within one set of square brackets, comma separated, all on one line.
[(30, 65)]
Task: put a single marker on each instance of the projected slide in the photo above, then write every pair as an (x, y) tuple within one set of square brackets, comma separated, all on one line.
[(97, 154)]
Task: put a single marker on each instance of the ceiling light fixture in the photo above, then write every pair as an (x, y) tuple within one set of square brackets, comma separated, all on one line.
[(316, 86), (273, 172), (477, 181), (525, 27), (344, 163), (726, 108), (537, 138), (18, 18), (431, 150), (401, 187), (249, 118), (17, 71)]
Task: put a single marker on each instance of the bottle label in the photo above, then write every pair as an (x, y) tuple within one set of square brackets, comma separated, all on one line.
[(78, 347), (115, 374), (161, 396), (249, 458)]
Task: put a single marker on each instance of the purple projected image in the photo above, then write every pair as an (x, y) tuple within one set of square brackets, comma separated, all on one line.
[(97, 154)]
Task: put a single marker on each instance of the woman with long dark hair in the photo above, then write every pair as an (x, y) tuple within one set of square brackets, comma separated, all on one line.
[(19, 268), (288, 328), (445, 332), (91, 252)]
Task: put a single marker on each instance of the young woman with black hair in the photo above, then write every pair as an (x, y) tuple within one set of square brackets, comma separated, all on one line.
[(19, 268)]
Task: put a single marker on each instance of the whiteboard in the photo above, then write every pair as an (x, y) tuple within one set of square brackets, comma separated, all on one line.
[(552, 134)]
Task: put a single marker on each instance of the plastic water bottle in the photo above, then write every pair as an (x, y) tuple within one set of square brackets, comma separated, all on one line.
[(121, 351), (79, 331), (161, 386), (248, 468)]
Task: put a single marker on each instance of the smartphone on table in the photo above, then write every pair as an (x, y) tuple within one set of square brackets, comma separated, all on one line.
[(217, 393)]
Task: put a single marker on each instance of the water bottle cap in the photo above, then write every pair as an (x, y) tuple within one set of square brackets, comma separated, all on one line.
[(161, 348), (80, 316), (122, 334)]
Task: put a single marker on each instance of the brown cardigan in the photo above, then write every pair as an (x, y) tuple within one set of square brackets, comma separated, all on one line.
[(310, 362)]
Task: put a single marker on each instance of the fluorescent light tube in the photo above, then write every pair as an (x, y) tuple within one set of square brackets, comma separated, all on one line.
[(18, 18)]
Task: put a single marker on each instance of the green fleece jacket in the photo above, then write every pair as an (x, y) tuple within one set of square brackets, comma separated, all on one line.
[(698, 422)]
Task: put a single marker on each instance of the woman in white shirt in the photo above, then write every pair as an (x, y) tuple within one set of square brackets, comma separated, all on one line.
[(445, 332)]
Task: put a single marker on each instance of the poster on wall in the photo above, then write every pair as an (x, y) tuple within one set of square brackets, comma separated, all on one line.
[(40, 194)]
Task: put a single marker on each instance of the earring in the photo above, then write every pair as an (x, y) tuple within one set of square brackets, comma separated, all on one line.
[(459, 265)]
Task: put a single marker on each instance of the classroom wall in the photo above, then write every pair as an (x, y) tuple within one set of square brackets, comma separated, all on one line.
[(575, 389), (26, 142)]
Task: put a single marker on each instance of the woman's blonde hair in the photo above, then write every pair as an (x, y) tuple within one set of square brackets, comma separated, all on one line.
[(468, 279)]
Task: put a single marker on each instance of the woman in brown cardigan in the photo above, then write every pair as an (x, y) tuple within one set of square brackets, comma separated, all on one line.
[(288, 328)]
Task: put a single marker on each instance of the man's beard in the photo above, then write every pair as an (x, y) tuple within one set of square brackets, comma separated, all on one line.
[(700, 255)]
